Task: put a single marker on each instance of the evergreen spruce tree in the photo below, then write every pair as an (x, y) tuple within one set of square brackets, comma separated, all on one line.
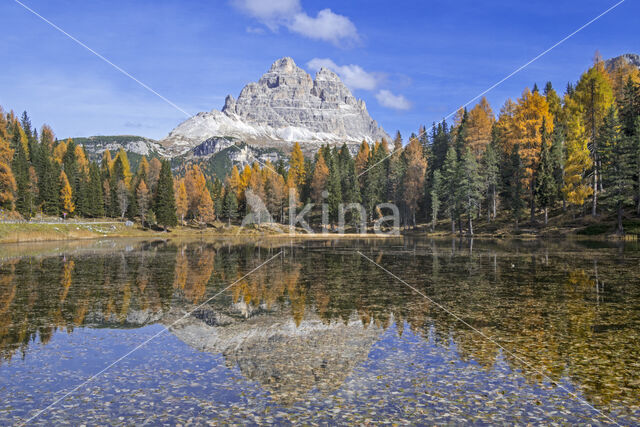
[(514, 188), (545, 189), (618, 166), (375, 179), (636, 155), (630, 107), (461, 134), (165, 203), (397, 169), (24, 202), (95, 193), (450, 178), (334, 187), (436, 194), (469, 187), (230, 207), (349, 184), (490, 174), (217, 194), (557, 157)]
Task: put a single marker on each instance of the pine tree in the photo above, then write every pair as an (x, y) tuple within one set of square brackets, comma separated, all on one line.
[(469, 187), (24, 202), (616, 153), (165, 204), (514, 188), (436, 194), (554, 102), (630, 107), (545, 191), (143, 198), (334, 187), (592, 98), (636, 155), (230, 208), (557, 156), (413, 180), (490, 177), (95, 193), (450, 178), (374, 179), (122, 198), (397, 169)]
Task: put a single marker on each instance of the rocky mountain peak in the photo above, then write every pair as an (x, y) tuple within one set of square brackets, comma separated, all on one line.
[(284, 65), (284, 106)]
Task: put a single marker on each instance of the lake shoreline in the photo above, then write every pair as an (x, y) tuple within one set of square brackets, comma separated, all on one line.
[(11, 233)]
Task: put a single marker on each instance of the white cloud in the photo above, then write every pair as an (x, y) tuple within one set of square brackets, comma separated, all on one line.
[(388, 99), (352, 75), (255, 30), (271, 13), (326, 26)]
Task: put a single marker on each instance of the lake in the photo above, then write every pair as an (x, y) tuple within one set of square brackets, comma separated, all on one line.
[(275, 331)]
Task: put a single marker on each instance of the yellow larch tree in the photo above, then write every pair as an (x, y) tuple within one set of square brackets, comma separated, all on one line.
[(66, 195), (196, 185), (81, 159), (319, 180), (235, 181), (413, 180), (479, 124), (531, 112), (59, 151), (362, 157), (206, 211), (182, 201), (576, 187), (296, 166)]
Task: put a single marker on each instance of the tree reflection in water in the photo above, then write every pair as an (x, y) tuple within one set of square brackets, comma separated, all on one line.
[(546, 302)]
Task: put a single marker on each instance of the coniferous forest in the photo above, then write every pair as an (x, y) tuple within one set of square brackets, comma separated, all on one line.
[(571, 154)]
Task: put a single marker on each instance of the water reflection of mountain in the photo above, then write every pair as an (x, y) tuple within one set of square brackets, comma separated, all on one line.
[(570, 310), (287, 358)]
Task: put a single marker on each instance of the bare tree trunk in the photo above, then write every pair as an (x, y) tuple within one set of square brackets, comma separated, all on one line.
[(453, 225), (494, 202), (470, 225), (546, 215), (620, 227), (595, 194), (533, 207), (638, 195)]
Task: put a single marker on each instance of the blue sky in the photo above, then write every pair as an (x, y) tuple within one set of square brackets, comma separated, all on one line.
[(413, 62)]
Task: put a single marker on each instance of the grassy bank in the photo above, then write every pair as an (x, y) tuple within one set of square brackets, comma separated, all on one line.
[(560, 225), (39, 232)]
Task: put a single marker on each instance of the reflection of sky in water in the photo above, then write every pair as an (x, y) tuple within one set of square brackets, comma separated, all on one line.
[(570, 310), (404, 378)]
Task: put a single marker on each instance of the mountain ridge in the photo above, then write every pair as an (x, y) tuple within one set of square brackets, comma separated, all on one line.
[(284, 106)]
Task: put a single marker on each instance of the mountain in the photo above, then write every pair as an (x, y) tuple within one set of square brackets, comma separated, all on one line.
[(260, 342), (135, 146), (618, 61), (286, 105)]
